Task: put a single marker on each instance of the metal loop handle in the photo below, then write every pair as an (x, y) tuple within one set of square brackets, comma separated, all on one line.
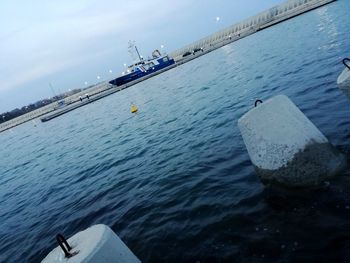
[(64, 245), (256, 102), (345, 62)]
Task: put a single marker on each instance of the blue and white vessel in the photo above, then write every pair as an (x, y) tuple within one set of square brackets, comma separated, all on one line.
[(143, 67)]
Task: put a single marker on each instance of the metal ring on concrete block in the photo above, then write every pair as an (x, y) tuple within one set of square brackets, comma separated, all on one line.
[(285, 147), (97, 244), (256, 102), (345, 62), (66, 248)]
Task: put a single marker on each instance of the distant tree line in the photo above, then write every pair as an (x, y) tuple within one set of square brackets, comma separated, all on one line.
[(6, 116)]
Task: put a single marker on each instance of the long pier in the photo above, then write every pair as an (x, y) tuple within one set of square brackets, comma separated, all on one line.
[(270, 17), (52, 107), (251, 25)]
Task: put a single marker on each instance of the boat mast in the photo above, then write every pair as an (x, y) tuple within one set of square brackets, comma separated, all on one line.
[(141, 59)]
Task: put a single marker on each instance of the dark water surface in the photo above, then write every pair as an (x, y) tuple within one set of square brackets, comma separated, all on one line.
[(174, 181)]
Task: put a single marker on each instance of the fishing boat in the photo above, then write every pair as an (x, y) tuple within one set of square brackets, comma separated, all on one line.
[(143, 67)]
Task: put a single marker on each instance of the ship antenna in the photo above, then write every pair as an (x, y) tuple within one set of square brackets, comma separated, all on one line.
[(141, 59), (53, 91)]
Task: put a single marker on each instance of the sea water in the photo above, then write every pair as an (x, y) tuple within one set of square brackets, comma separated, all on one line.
[(174, 180)]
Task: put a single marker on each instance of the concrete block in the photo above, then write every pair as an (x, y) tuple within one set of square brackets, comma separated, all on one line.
[(97, 244), (343, 80), (285, 147)]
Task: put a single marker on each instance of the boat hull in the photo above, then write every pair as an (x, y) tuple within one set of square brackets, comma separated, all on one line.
[(139, 74)]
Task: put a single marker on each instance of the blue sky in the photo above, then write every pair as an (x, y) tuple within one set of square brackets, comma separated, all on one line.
[(67, 43)]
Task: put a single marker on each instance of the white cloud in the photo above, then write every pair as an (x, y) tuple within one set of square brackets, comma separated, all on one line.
[(48, 67)]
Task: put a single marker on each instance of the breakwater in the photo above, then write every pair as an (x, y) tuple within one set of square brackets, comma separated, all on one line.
[(249, 26), (53, 107)]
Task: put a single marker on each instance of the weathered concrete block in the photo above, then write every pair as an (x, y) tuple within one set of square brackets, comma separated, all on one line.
[(343, 80), (97, 244), (285, 147)]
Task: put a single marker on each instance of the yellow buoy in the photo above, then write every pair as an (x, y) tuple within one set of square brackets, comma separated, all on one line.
[(133, 109)]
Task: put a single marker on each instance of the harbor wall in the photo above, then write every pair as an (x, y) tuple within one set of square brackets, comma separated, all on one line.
[(101, 87), (27, 117), (272, 16)]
